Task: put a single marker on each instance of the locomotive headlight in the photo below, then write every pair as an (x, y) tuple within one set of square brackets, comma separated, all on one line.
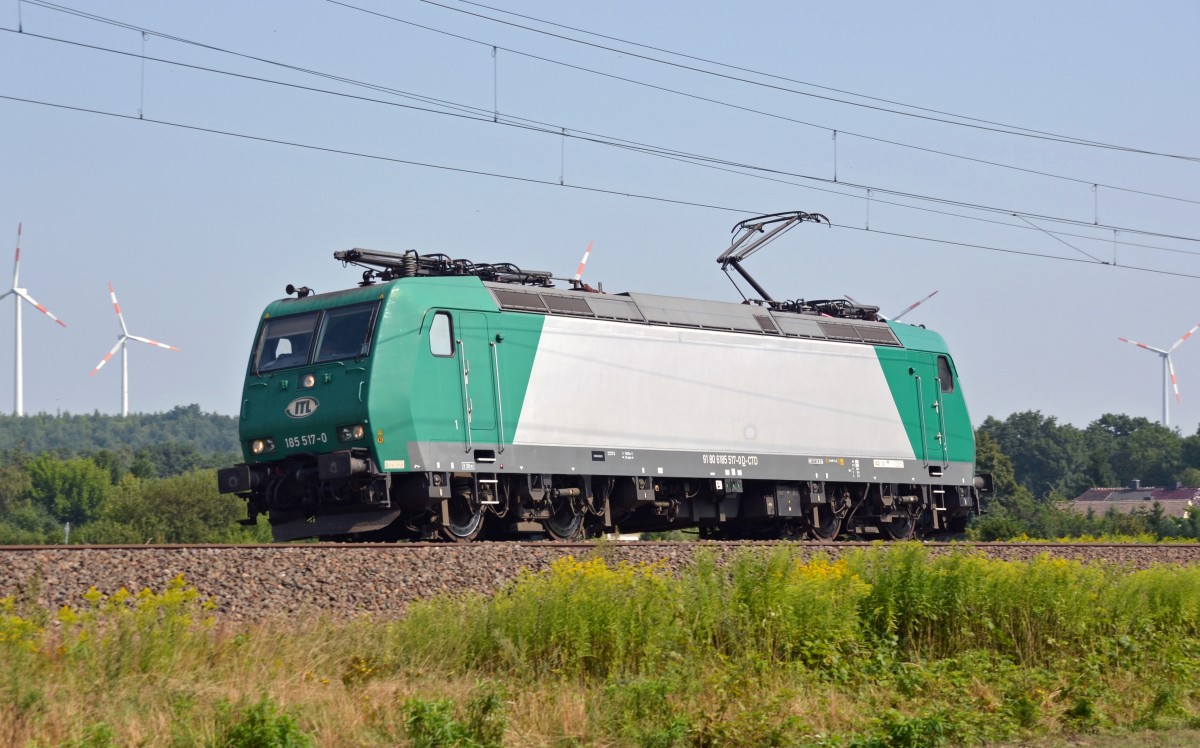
[(351, 432), (307, 381), (262, 446)]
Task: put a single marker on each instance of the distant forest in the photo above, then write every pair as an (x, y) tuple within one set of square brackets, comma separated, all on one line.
[(69, 435), (143, 478)]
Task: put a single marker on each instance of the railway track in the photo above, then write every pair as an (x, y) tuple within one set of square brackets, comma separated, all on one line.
[(250, 582), (988, 547)]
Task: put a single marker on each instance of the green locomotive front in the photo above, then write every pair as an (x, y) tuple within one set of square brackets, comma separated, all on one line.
[(335, 394)]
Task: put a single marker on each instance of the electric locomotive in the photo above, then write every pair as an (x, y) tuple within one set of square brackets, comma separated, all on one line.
[(442, 398)]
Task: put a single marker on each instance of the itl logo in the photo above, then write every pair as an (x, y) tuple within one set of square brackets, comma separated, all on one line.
[(301, 407)]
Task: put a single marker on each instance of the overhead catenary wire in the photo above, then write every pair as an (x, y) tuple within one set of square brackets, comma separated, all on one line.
[(996, 127), (727, 65), (373, 156), (750, 110), (1059, 239), (493, 116), (869, 198), (1004, 129), (1031, 133), (553, 183)]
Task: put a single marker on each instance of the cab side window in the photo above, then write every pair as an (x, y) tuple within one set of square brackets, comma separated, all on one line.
[(441, 335), (945, 374)]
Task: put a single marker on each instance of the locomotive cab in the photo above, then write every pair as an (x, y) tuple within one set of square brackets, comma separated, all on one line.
[(304, 426)]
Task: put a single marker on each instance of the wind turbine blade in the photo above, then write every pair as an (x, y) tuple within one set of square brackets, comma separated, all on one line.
[(914, 306), (39, 307), (1186, 335), (109, 355), (17, 259), (1174, 383), (851, 299), (117, 306), (586, 253), (152, 342), (1159, 351)]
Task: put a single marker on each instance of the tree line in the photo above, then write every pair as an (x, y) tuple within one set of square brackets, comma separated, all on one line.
[(1039, 465), (144, 478), (69, 434)]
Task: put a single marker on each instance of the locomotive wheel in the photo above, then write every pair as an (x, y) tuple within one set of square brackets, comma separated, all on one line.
[(828, 523), (898, 529), (466, 519), (565, 521)]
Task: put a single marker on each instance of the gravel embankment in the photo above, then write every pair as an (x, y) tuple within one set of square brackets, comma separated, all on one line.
[(254, 583)]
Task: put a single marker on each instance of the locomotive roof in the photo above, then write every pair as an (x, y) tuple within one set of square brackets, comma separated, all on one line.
[(517, 290), (693, 313)]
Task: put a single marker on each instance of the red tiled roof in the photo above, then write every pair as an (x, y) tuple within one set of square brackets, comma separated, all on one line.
[(1174, 501)]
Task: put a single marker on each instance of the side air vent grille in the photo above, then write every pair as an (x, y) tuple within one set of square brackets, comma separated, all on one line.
[(839, 332), (525, 301), (568, 305), (767, 324), (877, 335)]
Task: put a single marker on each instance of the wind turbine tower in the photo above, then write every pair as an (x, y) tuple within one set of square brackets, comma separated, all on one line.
[(122, 345), (1168, 369), (20, 294)]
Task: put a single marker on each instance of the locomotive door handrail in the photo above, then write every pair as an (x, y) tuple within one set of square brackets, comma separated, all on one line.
[(944, 438), (921, 415), (466, 370), (499, 404)]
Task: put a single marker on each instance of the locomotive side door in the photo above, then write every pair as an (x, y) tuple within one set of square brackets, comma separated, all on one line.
[(478, 373), (928, 388)]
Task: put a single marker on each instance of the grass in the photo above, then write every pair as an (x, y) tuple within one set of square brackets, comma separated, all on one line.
[(884, 648)]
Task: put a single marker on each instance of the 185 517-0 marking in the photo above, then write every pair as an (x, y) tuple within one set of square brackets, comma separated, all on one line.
[(305, 440)]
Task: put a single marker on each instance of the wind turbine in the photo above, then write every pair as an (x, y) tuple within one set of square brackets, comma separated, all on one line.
[(121, 343), (20, 294), (907, 309), (1168, 368)]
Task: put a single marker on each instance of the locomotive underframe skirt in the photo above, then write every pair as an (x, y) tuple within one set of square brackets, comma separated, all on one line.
[(561, 460)]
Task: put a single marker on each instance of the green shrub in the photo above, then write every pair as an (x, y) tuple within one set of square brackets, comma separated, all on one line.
[(438, 723), (896, 730), (259, 725), (639, 711)]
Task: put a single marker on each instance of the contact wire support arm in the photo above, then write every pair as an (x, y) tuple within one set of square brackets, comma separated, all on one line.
[(752, 234)]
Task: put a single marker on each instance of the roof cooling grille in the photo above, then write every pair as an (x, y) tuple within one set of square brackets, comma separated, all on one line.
[(767, 324), (524, 300)]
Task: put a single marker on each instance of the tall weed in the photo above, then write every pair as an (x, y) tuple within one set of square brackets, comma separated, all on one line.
[(1033, 611), (889, 646), (112, 636), (773, 607)]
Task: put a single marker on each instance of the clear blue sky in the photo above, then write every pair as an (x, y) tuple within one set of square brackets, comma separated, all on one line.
[(199, 231)]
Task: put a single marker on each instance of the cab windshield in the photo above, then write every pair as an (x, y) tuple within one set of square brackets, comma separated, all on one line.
[(345, 333), (315, 337), (285, 342)]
